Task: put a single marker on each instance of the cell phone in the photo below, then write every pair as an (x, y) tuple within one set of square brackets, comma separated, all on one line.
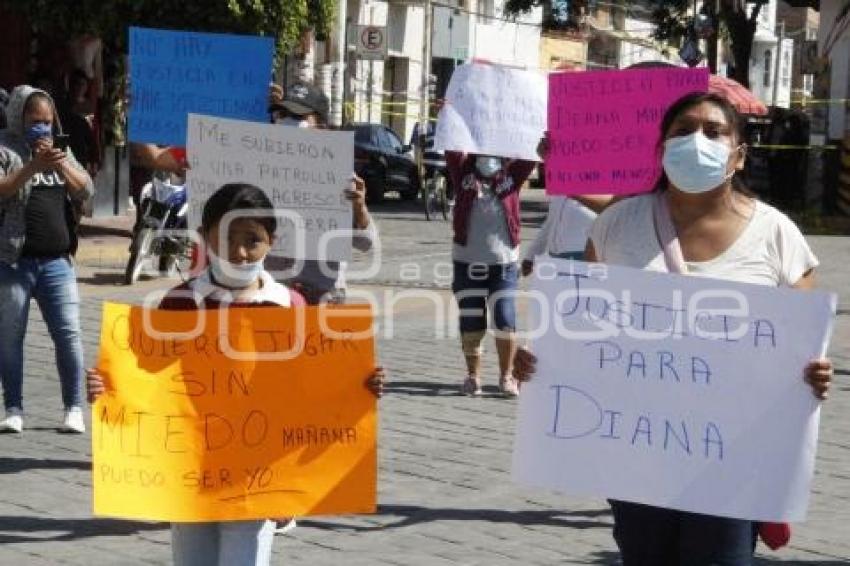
[(60, 141)]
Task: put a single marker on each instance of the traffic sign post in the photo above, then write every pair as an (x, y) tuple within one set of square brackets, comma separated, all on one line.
[(371, 42)]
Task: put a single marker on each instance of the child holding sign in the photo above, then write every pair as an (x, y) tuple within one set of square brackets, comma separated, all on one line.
[(235, 277), (701, 221)]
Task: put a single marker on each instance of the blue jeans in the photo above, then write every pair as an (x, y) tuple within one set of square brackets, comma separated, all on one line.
[(654, 536), (227, 543), (53, 284), (474, 286)]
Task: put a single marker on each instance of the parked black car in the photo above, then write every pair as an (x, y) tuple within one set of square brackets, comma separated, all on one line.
[(384, 162)]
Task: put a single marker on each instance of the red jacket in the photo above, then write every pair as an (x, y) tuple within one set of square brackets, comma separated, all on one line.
[(461, 167)]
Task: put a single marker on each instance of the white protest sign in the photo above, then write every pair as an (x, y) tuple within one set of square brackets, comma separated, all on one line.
[(304, 173), (493, 110), (680, 392)]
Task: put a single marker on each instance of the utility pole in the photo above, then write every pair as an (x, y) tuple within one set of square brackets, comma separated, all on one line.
[(713, 41), (426, 78), (339, 75), (778, 62), (371, 82)]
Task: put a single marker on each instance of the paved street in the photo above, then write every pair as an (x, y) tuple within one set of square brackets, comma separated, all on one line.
[(445, 495)]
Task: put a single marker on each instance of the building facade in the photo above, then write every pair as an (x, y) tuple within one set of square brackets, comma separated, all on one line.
[(771, 59), (801, 24), (834, 46), (390, 91)]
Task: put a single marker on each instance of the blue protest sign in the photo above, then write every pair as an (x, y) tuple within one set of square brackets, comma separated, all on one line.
[(174, 73)]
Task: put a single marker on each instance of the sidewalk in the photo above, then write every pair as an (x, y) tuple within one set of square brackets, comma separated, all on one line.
[(105, 242)]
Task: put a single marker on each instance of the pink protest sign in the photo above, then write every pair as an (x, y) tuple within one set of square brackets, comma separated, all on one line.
[(604, 127)]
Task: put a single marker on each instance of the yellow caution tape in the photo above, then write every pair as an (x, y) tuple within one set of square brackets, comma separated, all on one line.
[(351, 107), (808, 101), (350, 111), (383, 103), (808, 147)]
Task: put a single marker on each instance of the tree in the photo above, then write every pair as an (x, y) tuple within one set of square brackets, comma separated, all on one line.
[(286, 20), (735, 19), (673, 19), (558, 14)]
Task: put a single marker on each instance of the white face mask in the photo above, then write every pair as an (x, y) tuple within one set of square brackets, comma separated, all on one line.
[(291, 122), (487, 166), (234, 275), (695, 164)]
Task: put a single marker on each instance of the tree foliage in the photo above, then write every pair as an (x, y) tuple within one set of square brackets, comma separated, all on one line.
[(736, 19), (286, 20), (557, 14)]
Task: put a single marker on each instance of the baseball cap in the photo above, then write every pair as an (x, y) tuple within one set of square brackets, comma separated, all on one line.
[(303, 98)]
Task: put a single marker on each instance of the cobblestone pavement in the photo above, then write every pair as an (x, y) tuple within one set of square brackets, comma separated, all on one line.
[(445, 496)]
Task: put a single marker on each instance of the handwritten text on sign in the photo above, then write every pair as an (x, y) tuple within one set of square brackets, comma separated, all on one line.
[(680, 392), (186, 433), (493, 110), (174, 73), (604, 127), (304, 173)]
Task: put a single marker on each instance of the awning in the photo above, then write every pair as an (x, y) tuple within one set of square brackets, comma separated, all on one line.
[(741, 98)]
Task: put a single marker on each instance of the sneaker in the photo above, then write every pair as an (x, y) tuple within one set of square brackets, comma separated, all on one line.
[(14, 421), (284, 527), (509, 387), (73, 421), (471, 387)]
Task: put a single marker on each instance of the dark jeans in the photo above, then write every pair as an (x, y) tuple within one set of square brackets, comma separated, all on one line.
[(654, 536), (475, 285)]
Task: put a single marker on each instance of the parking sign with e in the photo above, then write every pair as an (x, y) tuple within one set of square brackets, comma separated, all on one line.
[(371, 42)]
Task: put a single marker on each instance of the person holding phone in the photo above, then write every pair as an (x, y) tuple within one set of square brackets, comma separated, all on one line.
[(41, 183)]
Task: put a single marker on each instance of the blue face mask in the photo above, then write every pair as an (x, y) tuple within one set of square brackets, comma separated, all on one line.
[(696, 164), (37, 131)]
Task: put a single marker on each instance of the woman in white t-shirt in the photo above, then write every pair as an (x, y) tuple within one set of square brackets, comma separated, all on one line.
[(717, 229), (563, 234)]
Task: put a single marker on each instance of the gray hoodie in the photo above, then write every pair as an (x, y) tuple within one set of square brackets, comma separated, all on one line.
[(14, 153)]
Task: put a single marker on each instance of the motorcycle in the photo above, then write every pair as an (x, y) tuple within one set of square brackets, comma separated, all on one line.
[(161, 232)]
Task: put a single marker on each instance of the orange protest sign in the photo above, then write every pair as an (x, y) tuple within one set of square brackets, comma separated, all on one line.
[(219, 415)]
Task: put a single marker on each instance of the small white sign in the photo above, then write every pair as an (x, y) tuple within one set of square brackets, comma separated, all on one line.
[(304, 173), (371, 42), (680, 392), (493, 110)]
